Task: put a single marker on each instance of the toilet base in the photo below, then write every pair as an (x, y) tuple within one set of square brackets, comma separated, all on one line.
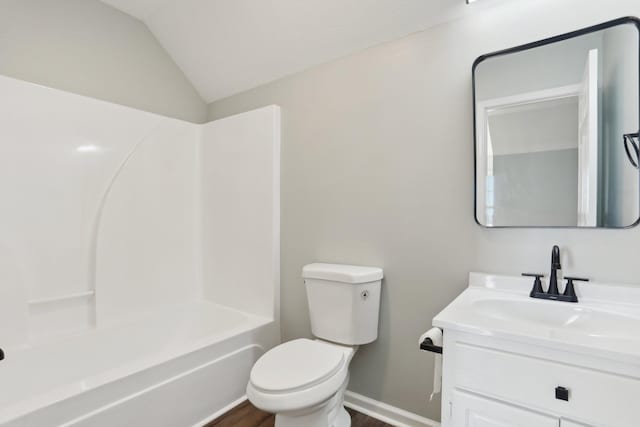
[(343, 419), (330, 413)]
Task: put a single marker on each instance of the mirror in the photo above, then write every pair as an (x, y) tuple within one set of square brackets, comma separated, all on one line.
[(556, 131)]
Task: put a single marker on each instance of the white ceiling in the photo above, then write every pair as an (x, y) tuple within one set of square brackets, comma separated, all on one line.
[(228, 46)]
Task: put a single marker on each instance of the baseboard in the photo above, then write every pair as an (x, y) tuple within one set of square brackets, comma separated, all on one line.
[(221, 412), (384, 412)]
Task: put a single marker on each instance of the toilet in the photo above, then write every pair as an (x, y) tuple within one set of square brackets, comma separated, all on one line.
[(303, 381)]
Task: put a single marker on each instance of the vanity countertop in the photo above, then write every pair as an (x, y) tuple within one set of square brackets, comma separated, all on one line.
[(605, 322)]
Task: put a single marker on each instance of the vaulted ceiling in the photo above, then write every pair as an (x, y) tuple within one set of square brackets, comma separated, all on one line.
[(228, 46)]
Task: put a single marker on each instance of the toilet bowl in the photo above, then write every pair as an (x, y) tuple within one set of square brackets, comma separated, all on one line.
[(303, 381)]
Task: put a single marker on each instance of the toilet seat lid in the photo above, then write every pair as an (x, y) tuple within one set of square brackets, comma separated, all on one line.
[(296, 364)]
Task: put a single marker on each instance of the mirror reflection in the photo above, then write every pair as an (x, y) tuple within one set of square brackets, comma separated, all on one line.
[(556, 131)]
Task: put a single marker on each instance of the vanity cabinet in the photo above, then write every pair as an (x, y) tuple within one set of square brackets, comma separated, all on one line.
[(514, 361), (490, 382)]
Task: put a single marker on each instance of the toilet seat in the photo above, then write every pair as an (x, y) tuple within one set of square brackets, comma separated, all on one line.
[(298, 374), (295, 365)]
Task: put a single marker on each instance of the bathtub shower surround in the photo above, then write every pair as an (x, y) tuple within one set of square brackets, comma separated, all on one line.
[(139, 259)]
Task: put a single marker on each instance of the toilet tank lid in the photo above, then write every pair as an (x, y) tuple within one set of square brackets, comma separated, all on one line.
[(342, 273)]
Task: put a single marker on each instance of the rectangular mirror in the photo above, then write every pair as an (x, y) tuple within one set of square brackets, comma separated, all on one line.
[(556, 131)]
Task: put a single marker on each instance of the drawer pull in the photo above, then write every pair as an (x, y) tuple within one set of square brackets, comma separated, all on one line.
[(562, 393)]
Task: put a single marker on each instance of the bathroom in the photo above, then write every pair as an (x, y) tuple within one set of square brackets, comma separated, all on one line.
[(171, 167)]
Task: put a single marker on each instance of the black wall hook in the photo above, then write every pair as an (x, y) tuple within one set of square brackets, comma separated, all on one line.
[(632, 139), (1, 354)]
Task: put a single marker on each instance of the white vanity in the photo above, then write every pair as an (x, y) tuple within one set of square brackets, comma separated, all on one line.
[(514, 361)]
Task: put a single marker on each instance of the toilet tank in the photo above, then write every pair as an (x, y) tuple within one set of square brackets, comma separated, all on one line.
[(344, 302)]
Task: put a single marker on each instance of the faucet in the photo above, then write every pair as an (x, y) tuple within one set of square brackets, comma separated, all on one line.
[(555, 266), (569, 294)]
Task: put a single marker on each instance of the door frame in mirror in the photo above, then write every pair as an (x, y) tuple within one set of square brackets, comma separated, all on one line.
[(570, 35), (483, 110)]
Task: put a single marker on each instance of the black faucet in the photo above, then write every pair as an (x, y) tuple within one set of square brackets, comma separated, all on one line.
[(555, 266), (569, 294)]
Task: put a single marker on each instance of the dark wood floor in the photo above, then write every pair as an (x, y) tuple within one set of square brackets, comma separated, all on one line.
[(247, 415)]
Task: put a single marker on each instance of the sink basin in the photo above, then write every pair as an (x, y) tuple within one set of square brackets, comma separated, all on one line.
[(606, 320), (589, 321)]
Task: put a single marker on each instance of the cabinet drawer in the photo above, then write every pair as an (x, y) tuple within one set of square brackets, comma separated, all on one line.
[(600, 398)]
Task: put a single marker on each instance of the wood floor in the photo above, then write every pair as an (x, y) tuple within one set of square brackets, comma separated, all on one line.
[(247, 415)]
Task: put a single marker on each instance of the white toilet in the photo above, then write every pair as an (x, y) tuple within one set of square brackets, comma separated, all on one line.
[(303, 381)]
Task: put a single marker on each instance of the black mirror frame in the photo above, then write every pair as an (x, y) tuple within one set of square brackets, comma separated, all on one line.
[(573, 34)]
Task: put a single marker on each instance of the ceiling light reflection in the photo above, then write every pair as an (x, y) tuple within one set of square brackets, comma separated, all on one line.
[(88, 148)]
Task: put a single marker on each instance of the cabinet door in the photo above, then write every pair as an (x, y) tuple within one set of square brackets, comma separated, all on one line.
[(473, 411)]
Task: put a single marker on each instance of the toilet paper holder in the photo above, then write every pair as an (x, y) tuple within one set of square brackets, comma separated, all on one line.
[(432, 341), (427, 345)]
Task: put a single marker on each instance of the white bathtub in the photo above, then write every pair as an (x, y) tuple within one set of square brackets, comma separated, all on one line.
[(176, 368)]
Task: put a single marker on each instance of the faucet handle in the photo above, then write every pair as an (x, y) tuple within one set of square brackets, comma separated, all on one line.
[(537, 283), (533, 275), (577, 279), (569, 290)]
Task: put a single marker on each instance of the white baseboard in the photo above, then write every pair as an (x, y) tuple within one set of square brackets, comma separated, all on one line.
[(220, 412), (387, 413)]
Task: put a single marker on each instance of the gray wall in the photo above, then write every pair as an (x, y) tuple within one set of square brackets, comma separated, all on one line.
[(538, 188), (377, 169), (544, 67), (89, 48)]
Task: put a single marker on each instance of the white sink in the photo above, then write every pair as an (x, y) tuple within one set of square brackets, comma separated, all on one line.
[(591, 321), (606, 319)]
